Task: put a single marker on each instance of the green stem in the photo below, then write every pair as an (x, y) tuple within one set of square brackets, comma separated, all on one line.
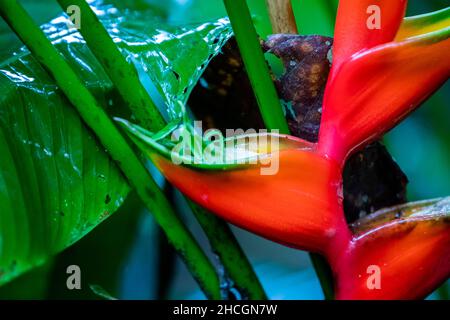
[(110, 137), (324, 274), (227, 248), (125, 78), (268, 101), (121, 73), (443, 291), (256, 66)]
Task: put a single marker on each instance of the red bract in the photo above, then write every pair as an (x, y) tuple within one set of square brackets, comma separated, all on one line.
[(372, 89), (407, 245), (353, 35), (378, 77)]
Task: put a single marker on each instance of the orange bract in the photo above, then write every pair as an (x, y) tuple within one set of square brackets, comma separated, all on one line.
[(301, 199)]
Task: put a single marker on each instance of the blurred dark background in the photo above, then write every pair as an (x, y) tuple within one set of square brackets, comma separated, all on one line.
[(128, 256)]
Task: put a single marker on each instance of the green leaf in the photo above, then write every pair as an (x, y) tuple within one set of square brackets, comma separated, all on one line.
[(211, 150), (42, 12), (56, 181), (173, 57)]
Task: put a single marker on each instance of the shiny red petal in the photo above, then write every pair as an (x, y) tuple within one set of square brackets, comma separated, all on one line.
[(352, 33), (413, 259), (376, 89)]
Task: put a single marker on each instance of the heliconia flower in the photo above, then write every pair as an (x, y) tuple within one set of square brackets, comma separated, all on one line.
[(295, 206), (378, 77)]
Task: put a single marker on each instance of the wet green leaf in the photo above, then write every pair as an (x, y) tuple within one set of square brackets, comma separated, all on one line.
[(56, 181)]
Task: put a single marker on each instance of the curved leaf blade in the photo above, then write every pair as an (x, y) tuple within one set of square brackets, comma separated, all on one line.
[(56, 182)]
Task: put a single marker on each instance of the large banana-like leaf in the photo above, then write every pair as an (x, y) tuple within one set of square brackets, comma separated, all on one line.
[(56, 181)]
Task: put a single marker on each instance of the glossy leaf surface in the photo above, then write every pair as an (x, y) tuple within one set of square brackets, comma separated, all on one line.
[(56, 182)]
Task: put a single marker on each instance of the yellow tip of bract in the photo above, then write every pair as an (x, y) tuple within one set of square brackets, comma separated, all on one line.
[(424, 24)]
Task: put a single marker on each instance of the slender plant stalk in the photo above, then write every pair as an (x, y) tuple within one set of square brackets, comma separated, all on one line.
[(118, 148), (256, 66), (118, 69), (125, 78), (324, 273), (443, 291), (283, 21), (273, 117), (332, 7), (282, 16), (225, 245)]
